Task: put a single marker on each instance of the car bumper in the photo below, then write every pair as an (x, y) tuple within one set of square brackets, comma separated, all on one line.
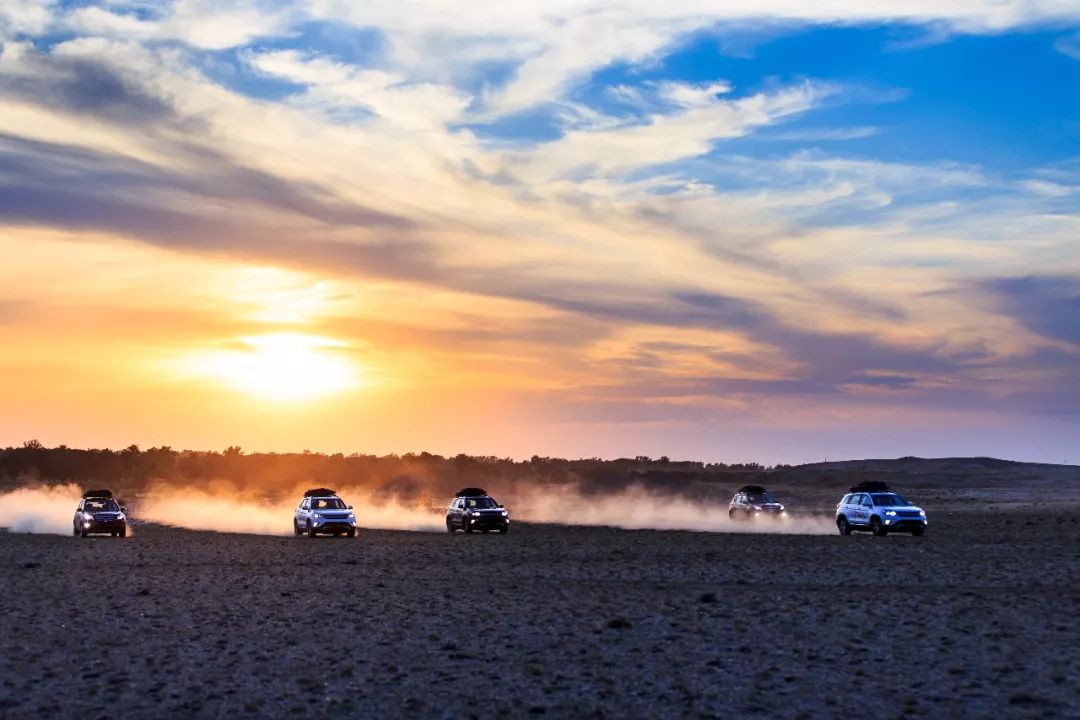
[(484, 523), (104, 527), (332, 526), (903, 524)]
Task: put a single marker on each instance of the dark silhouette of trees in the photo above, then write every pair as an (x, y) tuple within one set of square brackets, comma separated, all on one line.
[(411, 475)]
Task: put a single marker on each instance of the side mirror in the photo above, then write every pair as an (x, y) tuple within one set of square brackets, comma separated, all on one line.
[(348, 507), (123, 508), (500, 505)]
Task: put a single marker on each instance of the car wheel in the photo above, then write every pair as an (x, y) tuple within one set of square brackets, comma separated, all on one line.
[(503, 531), (731, 514), (449, 526), (351, 532), (843, 525), (467, 527), (123, 531), (296, 528), (917, 532), (75, 530), (310, 530), (83, 533), (877, 528)]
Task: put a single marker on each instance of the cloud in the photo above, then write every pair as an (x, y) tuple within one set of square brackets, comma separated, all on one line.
[(1048, 305), (630, 257), (1069, 46)]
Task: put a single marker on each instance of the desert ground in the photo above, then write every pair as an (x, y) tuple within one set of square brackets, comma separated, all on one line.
[(976, 619)]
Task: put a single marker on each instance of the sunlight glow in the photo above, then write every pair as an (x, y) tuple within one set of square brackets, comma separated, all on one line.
[(282, 367)]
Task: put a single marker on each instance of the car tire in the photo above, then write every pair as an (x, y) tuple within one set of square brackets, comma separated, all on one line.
[(351, 532), (75, 530), (877, 528), (123, 531), (296, 528), (467, 527), (83, 533), (449, 527), (503, 531), (310, 530), (917, 532), (843, 525)]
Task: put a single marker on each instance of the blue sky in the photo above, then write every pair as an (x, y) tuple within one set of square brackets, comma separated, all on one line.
[(706, 229)]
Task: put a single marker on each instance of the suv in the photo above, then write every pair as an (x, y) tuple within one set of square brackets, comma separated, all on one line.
[(872, 506), (98, 512), (322, 511), (753, 501), (472, 509)]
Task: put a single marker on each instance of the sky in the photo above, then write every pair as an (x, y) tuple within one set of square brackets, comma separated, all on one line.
[(765, 231)]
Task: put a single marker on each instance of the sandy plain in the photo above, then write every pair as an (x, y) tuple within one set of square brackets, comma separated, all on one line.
[(976, 619)]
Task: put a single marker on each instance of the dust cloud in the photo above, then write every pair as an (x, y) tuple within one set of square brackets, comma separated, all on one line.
[(226, 510), (636, 508), (223, 508), (48, 510)]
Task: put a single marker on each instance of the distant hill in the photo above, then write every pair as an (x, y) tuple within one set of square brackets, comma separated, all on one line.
[(407, 477)]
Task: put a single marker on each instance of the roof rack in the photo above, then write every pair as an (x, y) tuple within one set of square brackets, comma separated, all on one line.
[(320, 492), (870, 486), (752, 489), (97, 494), (471, 492)]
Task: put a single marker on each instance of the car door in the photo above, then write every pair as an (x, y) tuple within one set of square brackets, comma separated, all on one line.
[(459, 513), (864, 509), (301, 513), (868, 507), (854, 509)]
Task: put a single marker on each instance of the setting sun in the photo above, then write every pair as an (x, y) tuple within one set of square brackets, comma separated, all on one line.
[(281, 367)]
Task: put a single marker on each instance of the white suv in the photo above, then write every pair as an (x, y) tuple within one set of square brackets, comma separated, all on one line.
[(322, 511), (873, 507)]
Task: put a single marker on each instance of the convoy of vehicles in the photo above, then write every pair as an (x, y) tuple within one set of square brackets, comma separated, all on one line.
[(873, 507), (321, 511), (472, 509), (867, 507), (98, 513), (752, 502)]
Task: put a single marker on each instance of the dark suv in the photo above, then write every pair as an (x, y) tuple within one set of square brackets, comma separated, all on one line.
[(754, 501), (473, 509), (99, 513)]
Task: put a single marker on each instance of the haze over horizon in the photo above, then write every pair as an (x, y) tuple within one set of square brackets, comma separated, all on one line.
[(724, 231)]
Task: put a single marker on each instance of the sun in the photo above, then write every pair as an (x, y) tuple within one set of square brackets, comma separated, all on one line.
[(282, 367)]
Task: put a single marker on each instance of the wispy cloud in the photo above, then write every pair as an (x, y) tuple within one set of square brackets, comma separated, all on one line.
[(632, 255)]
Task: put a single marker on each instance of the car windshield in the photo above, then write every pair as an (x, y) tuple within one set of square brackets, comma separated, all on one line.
[(105, 505), (327, 504), (758, 498), (891, 499), (480, 503)]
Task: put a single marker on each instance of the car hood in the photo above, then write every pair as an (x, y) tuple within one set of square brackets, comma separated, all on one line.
[(104, 515)]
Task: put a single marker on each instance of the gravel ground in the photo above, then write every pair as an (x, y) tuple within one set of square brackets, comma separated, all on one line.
[(976, 619)]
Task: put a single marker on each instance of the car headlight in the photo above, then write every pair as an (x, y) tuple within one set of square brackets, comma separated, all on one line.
[(922, 513), (475, 514), (504, 513), (121, 517), (891, 513)]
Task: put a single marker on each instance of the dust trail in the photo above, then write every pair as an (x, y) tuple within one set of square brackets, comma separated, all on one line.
[(224, 509), (639, 509), (40, 509), (198, 509)]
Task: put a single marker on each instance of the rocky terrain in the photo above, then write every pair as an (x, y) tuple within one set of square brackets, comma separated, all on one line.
[(976, 619)]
